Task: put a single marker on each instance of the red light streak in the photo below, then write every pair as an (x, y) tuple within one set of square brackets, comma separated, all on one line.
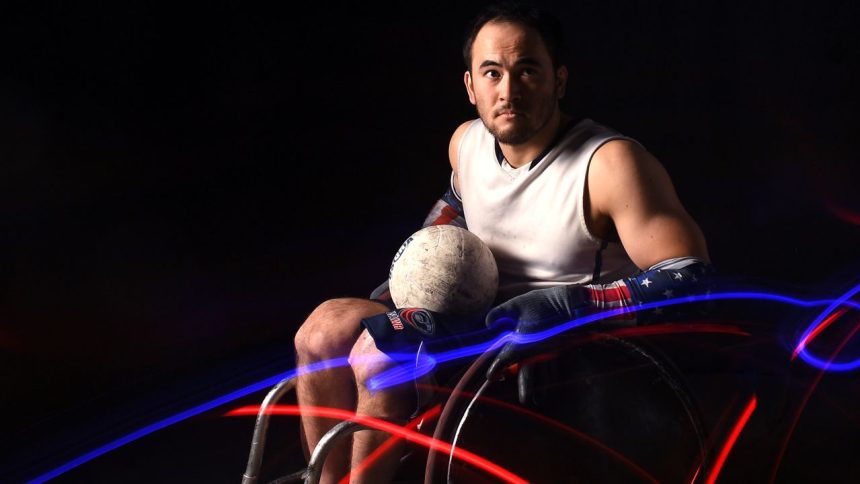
[(388, 444), (843, 213), (730, 441), (818, 329), (696, 474), (678, 328), (559, 425), (724, 415), (805, 401), (650, 330), (660, 329), (391, 428)]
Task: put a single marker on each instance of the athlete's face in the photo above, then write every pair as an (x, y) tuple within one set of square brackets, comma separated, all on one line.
[(512, 82)]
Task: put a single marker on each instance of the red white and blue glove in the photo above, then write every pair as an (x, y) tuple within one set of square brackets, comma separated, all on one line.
[(543, 309)]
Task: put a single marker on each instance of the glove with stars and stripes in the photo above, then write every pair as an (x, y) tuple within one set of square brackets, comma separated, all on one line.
[(543, 309)]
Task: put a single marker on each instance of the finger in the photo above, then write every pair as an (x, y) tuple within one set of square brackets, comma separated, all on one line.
[(505, 357), (500, 317), (525, 378)]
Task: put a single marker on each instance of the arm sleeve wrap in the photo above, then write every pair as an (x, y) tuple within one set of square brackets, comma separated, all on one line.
[(448, 210), (672, 278)]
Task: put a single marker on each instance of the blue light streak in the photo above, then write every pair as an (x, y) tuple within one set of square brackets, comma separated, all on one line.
[(818, 362), (191, 412), (400, 375), (426, 363)]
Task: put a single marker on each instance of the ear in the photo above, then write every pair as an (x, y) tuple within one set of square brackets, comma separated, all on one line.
[(467, 80), (561, 81)]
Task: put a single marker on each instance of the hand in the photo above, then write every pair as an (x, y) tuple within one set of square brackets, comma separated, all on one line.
[(539, 309), (401, 330), (532, 312)]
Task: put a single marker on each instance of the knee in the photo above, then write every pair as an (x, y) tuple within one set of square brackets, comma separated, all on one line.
[(331, 329)]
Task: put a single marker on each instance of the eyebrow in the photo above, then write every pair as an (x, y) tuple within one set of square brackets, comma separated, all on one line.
[(530, 61)]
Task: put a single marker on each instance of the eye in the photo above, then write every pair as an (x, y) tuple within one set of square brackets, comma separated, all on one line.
[(528, 71), (493, 74)]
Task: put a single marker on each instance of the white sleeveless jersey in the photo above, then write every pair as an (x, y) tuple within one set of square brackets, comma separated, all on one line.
[(532, 217)]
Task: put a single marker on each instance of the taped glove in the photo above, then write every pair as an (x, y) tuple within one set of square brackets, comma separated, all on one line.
[(401, 330)]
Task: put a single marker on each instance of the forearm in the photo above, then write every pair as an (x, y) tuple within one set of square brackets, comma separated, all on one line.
[(673, 278), (542, 308), (448, 210)]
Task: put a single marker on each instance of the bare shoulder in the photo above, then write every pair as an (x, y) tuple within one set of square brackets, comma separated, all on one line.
[(630, 187), (624, 166), (454, 144), (621, 157)]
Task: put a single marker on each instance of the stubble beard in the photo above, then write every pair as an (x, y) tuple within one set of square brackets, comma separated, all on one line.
[(519, 134)]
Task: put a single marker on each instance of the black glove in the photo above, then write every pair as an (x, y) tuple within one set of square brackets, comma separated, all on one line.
[(532, 312)]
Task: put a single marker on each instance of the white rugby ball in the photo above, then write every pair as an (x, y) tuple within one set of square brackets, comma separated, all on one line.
[(444, 268)]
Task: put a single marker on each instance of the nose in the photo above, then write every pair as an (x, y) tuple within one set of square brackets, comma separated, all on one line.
[(509, 88)]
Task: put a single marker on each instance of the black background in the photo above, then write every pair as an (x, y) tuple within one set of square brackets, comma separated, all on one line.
[(180, 185)]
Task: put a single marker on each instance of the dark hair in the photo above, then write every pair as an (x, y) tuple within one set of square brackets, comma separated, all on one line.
[(547, 25)]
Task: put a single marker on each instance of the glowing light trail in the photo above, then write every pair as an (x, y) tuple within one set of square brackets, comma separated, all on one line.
[(429, 362), (843, 213), (561, 426), (391, 428), (389, 444), (805, 401), (816, 362), (730, 441), (711, 441), (191, 412), (817, 330), (401, 374)]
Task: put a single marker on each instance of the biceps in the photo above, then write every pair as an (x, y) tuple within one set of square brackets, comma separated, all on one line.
[(656, 234)]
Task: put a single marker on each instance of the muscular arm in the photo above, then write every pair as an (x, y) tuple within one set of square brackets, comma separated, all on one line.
[(630, 189), (628, 186)]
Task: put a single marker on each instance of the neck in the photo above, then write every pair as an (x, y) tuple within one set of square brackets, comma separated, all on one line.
[(524, 153)]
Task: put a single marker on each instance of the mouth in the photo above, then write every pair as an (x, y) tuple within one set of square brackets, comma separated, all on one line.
[(509, 114)]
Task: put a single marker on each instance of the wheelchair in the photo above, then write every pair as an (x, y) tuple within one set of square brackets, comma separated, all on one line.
[(601, 407)]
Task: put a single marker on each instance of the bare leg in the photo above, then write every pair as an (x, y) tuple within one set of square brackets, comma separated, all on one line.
[(392, 403), (330, 332)]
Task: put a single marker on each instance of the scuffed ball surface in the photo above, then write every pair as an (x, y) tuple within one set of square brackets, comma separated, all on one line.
[(444, 268)]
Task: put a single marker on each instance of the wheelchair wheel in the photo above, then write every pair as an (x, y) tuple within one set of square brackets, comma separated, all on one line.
[(609, 411)]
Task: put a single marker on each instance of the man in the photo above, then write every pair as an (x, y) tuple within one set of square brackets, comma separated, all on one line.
[(562, 203)]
